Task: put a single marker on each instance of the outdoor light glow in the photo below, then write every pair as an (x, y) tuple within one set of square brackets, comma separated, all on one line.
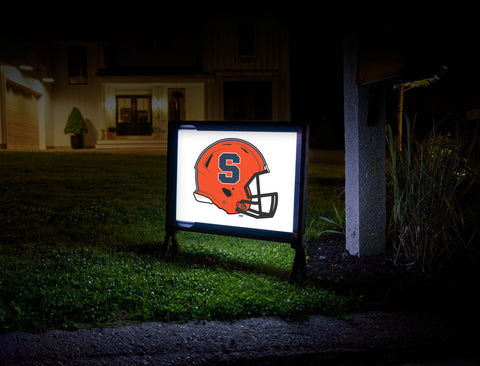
[(110, 103), (157, 103), (25, 67), (48, 79)]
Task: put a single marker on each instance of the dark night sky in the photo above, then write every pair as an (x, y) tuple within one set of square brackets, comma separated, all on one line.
[(428, 40)]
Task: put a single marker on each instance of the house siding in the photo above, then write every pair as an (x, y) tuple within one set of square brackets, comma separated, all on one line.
[(25, 107), (214, 60), (86, 97), (22, 118)]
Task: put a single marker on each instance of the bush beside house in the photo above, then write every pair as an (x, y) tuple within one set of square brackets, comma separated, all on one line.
[(76, 126)]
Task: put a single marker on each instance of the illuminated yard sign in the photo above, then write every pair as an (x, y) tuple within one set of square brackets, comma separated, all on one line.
[(245, 179)]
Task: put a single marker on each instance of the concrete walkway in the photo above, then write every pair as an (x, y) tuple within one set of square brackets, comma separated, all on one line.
[(373, 338)]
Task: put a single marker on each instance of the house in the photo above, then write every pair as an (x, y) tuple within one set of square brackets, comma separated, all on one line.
[(135, 81)]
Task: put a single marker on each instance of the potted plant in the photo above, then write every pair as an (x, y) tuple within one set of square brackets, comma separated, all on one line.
[(111, 133), (77, 127)]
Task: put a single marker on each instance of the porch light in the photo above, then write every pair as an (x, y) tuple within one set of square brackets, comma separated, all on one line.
[(25, 67), (48, 79)]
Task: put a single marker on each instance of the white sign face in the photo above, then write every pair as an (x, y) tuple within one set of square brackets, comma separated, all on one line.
[(237, 178)]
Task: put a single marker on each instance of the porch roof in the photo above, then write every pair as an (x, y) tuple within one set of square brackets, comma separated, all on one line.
[(149, 70)]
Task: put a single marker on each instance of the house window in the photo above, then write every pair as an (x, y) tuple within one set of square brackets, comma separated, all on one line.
[(77, 65), (134, 115), (246, 39), (247, 101)]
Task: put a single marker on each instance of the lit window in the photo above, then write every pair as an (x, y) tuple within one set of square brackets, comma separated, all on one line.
[(134, 115)]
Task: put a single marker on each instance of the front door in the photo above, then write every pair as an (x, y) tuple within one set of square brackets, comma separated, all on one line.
[(134, 115)]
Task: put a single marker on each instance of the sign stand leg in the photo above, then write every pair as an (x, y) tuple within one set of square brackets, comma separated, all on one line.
[(299, 262), (169, 237)]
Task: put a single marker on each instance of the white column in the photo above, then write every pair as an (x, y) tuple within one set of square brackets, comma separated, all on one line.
[(365, 195)]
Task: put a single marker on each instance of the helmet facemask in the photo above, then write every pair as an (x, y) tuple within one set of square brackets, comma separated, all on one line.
[(264, 204)]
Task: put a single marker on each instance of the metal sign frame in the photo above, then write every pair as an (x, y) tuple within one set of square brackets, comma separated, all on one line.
[(296, 236)]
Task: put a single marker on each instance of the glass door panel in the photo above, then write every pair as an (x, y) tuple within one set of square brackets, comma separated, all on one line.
[(134, 115)]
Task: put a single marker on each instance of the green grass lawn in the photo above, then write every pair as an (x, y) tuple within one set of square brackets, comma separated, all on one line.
[(80, 235)]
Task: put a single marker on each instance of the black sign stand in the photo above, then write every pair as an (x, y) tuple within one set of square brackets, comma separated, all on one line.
[(299, 267), (296, 240), (170, 237), (299, 262)]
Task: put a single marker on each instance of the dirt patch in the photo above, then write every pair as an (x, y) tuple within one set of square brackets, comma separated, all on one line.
[(376, 279), (380, 284)]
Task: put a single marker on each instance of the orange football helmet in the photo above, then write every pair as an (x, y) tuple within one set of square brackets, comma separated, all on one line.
[(227, 175)]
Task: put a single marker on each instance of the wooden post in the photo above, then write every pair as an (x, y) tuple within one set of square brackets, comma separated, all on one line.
[(401, 91)]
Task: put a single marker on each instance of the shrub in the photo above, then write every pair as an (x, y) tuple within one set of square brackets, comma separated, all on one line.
[(426, 180), (75, 123)]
